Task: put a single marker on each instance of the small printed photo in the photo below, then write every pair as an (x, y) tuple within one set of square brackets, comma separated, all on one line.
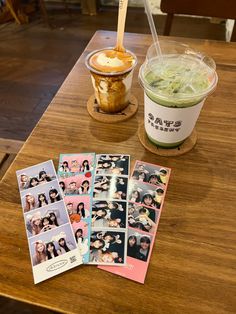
[(138, 245), (141, 217), (75, 185), (45, 219), (76, 163), (110, 187), (113, 164), (150, 173), (51, 244), (109, 214), (107, 247), (41, 196), (147, 195), (36, 175), (78, 207), (81, 232)]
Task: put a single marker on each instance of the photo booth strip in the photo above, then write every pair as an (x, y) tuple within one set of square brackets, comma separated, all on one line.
[(140, 238), (52, 246), (76, 175), (109, 210)]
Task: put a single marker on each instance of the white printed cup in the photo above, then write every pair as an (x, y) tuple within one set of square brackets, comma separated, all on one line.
[(170, 120)]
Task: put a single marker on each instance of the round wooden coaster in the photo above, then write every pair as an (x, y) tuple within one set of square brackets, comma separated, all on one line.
[(187, 145), (102, 116)]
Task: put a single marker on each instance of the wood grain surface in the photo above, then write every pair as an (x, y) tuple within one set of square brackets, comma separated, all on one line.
[(192, 269)]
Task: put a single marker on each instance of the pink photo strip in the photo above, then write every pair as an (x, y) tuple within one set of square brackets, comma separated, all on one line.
[(146, 193)]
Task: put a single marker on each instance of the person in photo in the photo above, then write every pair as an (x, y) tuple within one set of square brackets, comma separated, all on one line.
[(84, 188), (142, 177), (40, 255), (104, 165), (33, 182), (62, 186), (85, 166), (115, 223), (30, 202), (72, 188), (143, 248), (35, 223), (146, 223), (53, 219), (96, 245), (101, 188), (75, 167), (42, 200), (54, 195), (110, 241), (159, 195), (51, 250), (148, 200), (47, 224), (69, 207), (64, 247), (132, 247), (79, 235), (24, 181), (120, 192), (140, 168), (153, 179), (98, 217), (109, 257), (163, 176), (81, 209), (135, 196), (64, 167), (44, 177)]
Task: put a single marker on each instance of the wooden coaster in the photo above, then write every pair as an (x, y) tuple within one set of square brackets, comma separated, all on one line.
[(187, 145), (105, 117)]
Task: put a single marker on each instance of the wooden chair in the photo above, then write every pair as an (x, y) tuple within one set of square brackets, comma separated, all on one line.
[(209, 8)]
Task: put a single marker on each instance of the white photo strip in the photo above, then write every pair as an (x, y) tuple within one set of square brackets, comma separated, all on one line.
[(51, 239), (109, 210)]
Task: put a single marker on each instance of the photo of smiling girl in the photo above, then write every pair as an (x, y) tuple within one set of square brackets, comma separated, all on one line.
[(143, 193), (35, 223), (33, 182), (40, 255), (42, 200), (84, 188), (64, 167), (51, 250), (30, 202), (107, 247), (24, 181), (44, 177), (54, 195), (85, 166), (47, 224)]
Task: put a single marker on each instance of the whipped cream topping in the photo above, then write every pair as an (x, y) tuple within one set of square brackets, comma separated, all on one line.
[(112, 61), (103, 60)]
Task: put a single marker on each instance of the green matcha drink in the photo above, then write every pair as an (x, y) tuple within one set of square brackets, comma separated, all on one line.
[(175, 87)]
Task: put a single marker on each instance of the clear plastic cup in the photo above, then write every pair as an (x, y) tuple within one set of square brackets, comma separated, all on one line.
[(175, 84), (112, 90)]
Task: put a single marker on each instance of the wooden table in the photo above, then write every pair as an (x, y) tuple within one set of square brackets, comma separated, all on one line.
[(192, 269)]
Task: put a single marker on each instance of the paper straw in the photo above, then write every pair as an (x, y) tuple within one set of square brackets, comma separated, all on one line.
[(153, 28)]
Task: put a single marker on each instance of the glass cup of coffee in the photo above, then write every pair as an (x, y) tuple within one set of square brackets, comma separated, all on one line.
[(111, 73)]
